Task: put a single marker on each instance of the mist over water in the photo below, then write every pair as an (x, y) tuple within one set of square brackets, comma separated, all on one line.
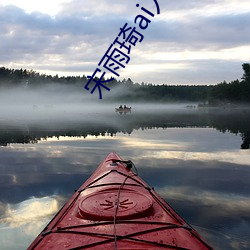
[(48, 102), (60, 102)]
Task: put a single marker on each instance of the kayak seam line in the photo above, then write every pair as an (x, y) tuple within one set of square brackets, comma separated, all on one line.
[(110, 184), (119, 222), (173, 212), (166, 208), (128, 237), (114, 170), (99, 178), (62, 230), (44, 233)]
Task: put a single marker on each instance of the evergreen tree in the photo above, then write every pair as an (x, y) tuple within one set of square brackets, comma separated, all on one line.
[(246, 69)]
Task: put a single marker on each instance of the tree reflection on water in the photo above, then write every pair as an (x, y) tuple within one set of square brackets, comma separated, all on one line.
[(234, 121)]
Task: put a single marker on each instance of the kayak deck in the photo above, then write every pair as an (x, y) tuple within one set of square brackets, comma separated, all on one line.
[(116, 209)]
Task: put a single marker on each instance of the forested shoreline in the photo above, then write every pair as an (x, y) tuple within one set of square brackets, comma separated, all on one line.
[(234, 92)]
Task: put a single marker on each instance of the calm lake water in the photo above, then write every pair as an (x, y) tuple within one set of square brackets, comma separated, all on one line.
[(197, 160)]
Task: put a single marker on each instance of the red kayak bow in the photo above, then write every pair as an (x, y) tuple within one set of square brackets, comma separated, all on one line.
[(116, 209)]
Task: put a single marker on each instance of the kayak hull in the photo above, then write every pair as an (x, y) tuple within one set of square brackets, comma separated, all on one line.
[(116, 209)]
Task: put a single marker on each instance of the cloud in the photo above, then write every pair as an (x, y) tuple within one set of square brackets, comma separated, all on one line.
[(213, 32), (74, 39), (44, 41)]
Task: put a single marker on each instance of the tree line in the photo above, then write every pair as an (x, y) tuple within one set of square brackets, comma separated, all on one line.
[(236, 91)]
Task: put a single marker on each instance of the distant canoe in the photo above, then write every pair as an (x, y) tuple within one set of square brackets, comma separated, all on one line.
[(126, 110)]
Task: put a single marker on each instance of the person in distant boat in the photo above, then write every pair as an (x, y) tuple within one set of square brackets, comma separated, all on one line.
[(120, 107), (125, 106)]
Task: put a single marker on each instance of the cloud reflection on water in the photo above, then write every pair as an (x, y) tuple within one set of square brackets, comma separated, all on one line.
[(235, 156), (21, 222), (207, 184), (29, 211)]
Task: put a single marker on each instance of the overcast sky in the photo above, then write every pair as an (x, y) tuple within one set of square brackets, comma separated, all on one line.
[(189, 42)]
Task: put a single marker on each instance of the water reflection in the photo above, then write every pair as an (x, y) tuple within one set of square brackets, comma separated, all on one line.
[(21, 221), (110, 123), (195, 166), (31, 210)]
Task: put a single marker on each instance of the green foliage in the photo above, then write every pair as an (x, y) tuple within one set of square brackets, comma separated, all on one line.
[(234, 92), (246, 75), (31, 78), (222, 93)]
